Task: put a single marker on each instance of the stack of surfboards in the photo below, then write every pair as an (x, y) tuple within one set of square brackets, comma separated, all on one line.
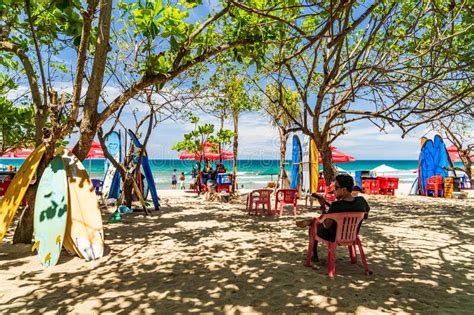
[(66, 208)]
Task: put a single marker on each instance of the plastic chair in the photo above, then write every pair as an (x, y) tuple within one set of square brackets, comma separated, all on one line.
[(259, 197), (435, 184), (346, 235), (286, 197)]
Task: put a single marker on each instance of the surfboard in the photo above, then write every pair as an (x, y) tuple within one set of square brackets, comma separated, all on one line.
[(17, 189), (441, 157), (111, 186), (305, 163), (84, 231), (295, 163), (50, 214), (427, 164), (147, 171), (314, 159)]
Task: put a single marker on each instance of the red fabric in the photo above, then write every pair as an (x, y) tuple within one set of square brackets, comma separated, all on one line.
[(454, 154)]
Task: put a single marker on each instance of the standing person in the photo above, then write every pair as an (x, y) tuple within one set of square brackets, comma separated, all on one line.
[(174, 181), (182, 185), (193, 173)]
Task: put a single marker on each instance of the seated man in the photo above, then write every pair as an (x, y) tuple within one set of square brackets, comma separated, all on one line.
[(345, 203)]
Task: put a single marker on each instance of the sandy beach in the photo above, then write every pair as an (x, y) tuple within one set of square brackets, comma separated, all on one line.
[(200, 256)]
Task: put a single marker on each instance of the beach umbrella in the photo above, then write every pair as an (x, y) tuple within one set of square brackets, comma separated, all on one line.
[(454, 154), (339, 156), (208, 149), (19, 153), (95, 151)]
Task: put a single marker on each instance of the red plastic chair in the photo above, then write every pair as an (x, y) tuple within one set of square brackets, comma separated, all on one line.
[(346, 235), (286, 197), (435, 184), (259, 197), (392, 185)]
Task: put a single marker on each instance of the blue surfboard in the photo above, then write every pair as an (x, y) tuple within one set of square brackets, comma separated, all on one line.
[(427, 164), (147, 171), (441, 157), (111, 188), (295, 162)]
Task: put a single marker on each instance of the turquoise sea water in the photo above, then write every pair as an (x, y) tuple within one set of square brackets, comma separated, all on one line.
[(251, 173)]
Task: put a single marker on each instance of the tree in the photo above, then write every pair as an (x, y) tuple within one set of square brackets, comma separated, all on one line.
[(280, 101), (166, 42), (350, 61), (458, 130), (232, 94), (16, 123)]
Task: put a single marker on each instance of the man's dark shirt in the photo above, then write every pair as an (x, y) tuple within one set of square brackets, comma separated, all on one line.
[(359, 204)]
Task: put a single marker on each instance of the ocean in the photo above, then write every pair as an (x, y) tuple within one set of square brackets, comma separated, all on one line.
[(251, 173)]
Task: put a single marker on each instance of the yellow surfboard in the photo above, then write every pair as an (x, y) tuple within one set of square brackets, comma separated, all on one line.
[(17, 189), (84, 231), (314, 170)]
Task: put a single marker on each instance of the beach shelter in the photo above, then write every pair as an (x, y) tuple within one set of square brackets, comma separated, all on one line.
[(210, 153), (382, 169), (454, 154)]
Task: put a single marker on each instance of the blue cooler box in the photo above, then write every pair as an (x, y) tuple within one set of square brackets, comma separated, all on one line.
[(224, 179)]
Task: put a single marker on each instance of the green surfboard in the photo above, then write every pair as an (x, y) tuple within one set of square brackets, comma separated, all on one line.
[(51, 212)]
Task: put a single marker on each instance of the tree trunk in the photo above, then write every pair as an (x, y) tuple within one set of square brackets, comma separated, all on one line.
[(127, 192), (235, 116), (283, 141), (89, 126), (328, 166)]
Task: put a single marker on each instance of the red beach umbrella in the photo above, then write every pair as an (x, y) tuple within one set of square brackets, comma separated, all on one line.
[(95, 151), (339, 156), (207, 148), (454, 154), (20, 153)]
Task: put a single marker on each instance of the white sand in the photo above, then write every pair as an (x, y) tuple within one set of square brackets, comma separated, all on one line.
[(197, 256)]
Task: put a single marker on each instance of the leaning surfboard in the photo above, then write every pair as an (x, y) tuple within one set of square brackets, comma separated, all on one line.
[(295, 163), (84, 231), (148, 173), (314, 158), (305, 163), (50, 214), (111, 186), (17, 189)]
